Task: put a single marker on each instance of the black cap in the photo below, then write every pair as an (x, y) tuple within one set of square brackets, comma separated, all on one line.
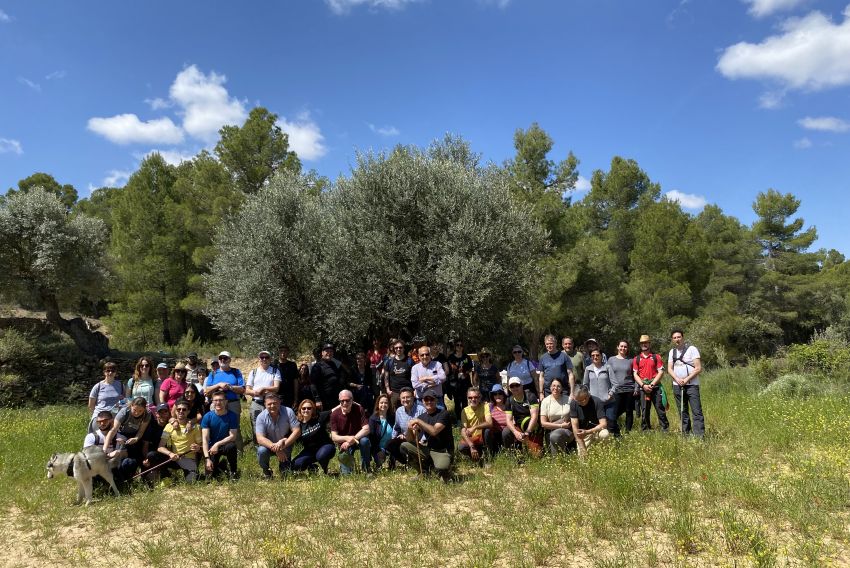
[(430, 393), (328, 346)]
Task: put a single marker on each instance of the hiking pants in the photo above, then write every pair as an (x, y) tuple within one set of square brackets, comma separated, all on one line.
[(691, 414), (654, 400)]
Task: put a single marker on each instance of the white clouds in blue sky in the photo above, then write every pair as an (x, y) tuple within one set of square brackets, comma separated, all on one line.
[(305, 136), (9, 146), (31, 84), (387, 131), (762, 8), (4, 17), (810, 53), (204, 103), (803, 143), (687, 200), (59, 74), (345, 6), (824, 123), (128, 129)]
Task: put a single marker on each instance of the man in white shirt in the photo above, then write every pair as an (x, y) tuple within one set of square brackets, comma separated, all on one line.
[(263, 380), (428, 374), (685, 367)]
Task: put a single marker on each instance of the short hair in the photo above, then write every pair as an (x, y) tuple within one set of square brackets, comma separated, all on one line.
[(676, 330), (568, 337), (406, 390), (557, 380), (595, 350), (110, 365), (474, 390), (550, 336), (104, 414), (218, 394), (346, 391), (139, 401), (270, 396), (182, 402), (581, 390), (626, 341), (284, 346)]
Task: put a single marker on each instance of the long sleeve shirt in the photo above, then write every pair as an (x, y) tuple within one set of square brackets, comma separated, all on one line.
[(434, 371)]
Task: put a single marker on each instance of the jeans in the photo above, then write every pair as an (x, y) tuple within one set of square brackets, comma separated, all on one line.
[(691, 413), (625, 402), (306, 458), (365, 447), (253, 411), (648, 401), (611, 417), (264, 456)]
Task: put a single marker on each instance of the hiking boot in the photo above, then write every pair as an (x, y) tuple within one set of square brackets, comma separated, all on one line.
[(346, 459)]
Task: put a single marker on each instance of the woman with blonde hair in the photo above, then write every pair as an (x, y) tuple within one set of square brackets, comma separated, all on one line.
[(142, 384)]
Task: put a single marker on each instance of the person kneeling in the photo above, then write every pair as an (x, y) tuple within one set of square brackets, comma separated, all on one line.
[(475, 420), (219, 429), (276, 430), (587, 415), (350, 432), (181, 442), (435, 426)]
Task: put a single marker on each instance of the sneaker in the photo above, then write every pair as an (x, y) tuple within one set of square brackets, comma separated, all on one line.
[(267, 474)]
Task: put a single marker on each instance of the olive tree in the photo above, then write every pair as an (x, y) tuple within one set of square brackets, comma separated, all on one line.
[(412, 242), (51, 258)]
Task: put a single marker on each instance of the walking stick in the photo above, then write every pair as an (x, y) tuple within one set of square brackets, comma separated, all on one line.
[(682, 406), (419, 453), (155, 467)]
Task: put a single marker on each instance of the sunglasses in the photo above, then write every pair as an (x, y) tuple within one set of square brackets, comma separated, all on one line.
[(264, 357), (517, 352), (473, 398), (224, 358), (143, 365), (182, 410), (109, 371), (515, 386)]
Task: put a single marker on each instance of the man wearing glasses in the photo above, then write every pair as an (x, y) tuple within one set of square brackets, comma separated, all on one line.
[(219, 432), (475, 421), (396, 373), (263, 380), (228, 381), (350, 432), (428, 375), (181, 442)]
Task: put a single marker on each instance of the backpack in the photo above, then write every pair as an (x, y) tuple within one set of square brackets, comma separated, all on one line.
[(681, 356)]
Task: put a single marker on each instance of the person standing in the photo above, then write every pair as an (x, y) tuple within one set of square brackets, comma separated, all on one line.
[(485, 373), (228, 381), (522, 368), (328, 376), (598, 377), (554, 364), (428, 375), (396, 373), (106, 394), (263, 380), (625, 387), (288, 377), (684, 366), (648, 368), (577, 357), (458, 378)]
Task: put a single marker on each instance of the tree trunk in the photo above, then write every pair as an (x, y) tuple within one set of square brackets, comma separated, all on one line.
[(88, 341)]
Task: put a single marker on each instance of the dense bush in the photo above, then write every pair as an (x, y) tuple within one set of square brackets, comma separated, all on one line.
[(829, 356), (794, 385)]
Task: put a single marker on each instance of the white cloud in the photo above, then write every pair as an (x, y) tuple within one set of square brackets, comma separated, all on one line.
[(809, 53), (9, 146), (687, 200), (32, 85), (501, 4), (762, 8), (4, 17), (158, 103), (772, 100), (205, 102), (173, 157), (127, 129), (305, 137), (116, 178), (345, 6), (582, 184), (60, 74), (802, 143), (824, 123), (388, 130)]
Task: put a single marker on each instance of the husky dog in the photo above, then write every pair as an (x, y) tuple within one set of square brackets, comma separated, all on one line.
[(82, 466)]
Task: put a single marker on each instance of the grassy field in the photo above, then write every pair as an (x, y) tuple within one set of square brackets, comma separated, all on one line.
[(770, 486)]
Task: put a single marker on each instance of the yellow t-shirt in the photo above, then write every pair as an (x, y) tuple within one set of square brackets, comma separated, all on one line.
[(470, 418), (181, 438)]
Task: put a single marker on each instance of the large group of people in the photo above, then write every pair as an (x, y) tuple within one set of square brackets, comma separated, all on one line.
[(408, 406)]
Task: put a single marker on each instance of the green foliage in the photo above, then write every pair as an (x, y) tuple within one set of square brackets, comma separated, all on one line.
[(48, 256), (765, 369), (793, 385), (17, 350), (66, 193), (825, 356), (413, 242), (253, 152)]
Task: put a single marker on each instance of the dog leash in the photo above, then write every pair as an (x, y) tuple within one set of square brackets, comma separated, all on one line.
[(157, 466)]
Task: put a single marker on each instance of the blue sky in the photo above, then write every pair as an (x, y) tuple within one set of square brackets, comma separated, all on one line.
[(716, 100)]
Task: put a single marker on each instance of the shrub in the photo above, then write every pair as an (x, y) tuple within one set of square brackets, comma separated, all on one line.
[(823, 355), (765, 370), (793, 385), (17, 350)]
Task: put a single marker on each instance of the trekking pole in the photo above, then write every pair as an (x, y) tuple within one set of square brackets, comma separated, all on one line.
[(154, 467), (682, 406), (419, 453)]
